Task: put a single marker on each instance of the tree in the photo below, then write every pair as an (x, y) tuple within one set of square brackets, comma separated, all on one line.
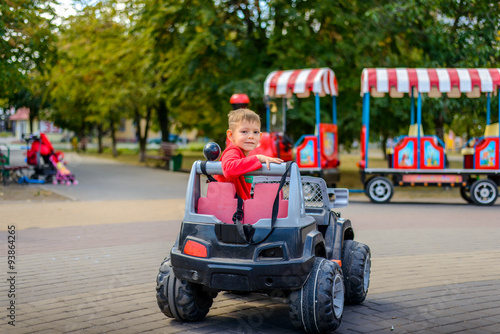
[(26, 48), (181, 60), (104, 71), (205, 51)]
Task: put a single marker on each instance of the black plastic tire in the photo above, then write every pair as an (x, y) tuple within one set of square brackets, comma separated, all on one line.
[(179, 299), (318, 306), (484, 192), (356, 267), (465, 193), (379, 189)]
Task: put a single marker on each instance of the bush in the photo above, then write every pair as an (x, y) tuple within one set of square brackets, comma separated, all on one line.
[(5, 134)]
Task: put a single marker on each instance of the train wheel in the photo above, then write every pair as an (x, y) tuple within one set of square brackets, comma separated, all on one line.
[(379, 189)]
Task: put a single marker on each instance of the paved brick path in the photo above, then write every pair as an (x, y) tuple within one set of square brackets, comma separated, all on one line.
[(430, 275)]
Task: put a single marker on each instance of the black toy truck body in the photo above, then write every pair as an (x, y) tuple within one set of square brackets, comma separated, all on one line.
[(308, 255)]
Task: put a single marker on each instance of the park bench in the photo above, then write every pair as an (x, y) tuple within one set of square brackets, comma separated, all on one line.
[(165, 155), (9, 173)]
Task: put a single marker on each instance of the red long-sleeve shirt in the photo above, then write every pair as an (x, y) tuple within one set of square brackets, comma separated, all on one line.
[(234, 165)]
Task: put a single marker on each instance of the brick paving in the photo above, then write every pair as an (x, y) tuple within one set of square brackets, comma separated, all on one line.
[(101, 279)]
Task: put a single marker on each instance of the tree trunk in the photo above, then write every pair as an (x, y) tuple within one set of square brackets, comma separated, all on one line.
[(33, 108), (83, 140), (162, 113), (31, 120), (113, 139), (439, 122), (384, 143), (142, 137), (100, 134)]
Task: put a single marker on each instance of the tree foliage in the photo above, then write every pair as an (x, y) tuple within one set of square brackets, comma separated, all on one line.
[(103, 73), (181, 60), (27, 47)]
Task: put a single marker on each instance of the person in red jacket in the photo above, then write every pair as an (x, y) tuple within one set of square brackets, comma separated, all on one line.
[(244, 136)]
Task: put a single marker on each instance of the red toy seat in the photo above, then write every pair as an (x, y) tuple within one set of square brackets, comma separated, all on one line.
[(486, 153), (220, 201), (328, 145), (405, 153), (261, 206), (432, 154)]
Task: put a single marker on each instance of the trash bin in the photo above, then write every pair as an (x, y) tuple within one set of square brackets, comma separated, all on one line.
[(468, 153), (176, 162), (390, 152)]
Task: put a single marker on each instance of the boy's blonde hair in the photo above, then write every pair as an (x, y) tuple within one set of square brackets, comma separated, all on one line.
[(239, 115)]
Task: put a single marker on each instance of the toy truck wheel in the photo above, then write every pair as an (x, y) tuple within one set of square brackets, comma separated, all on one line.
[(318, 306), (484, 192), (379, 189), (356, 267), (465, 193), (179, 299)]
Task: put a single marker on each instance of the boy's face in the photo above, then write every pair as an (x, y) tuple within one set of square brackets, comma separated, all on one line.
[(245, 135)]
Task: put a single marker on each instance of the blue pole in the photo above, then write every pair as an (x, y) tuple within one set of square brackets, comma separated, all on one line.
[(316, 100), (366, 121), (334, 111), (268, 117), (412, 107), (488, 108), (419, 123)]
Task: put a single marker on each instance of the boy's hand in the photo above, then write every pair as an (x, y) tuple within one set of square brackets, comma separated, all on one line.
[(268, 160)]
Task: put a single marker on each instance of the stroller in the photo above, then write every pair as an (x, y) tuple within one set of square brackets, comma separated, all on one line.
[(47, 162)]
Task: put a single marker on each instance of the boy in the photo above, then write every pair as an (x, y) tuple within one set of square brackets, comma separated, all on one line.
[(244, 135)]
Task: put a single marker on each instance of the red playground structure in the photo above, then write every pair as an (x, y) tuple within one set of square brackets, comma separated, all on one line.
[(315, 154)]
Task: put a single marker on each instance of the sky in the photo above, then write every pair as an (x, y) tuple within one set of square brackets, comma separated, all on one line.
[(65, 8)]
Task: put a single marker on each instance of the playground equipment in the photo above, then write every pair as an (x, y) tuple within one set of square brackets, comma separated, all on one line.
[(315, 154), (239, 101), (419, 160)]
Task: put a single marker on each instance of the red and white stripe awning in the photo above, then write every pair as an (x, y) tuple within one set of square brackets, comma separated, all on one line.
[(301, 82), (433, 81)]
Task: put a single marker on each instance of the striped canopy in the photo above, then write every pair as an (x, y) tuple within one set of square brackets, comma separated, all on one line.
[(301, 82), (433, 81)]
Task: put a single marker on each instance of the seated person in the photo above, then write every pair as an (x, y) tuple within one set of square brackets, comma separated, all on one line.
[(244, 136)]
